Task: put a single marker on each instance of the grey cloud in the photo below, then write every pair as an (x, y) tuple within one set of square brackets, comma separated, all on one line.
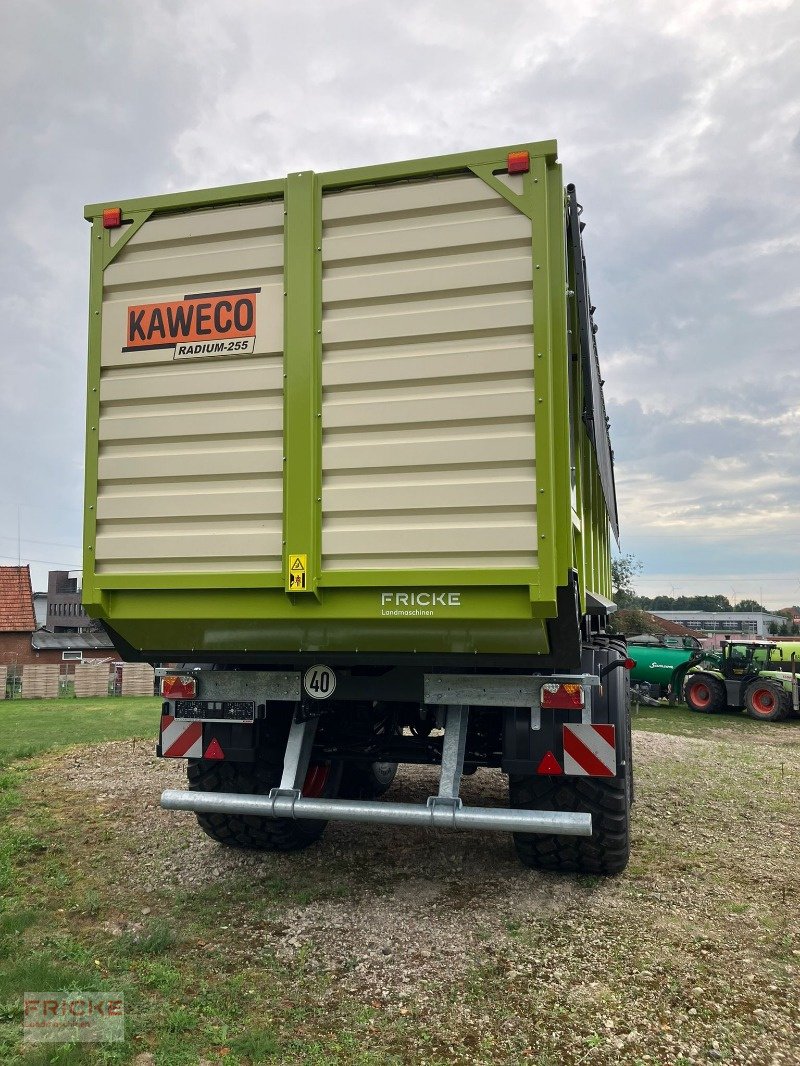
[(676, 122)]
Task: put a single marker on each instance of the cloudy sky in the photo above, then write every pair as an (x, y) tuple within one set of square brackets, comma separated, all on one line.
[(679, 121)]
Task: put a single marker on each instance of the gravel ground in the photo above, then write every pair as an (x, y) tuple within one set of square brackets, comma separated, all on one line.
[(691, 956)]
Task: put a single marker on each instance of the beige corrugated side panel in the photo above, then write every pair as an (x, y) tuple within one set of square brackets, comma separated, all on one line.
[(428, 432), (190, 457), (40, 682), (3, 679)]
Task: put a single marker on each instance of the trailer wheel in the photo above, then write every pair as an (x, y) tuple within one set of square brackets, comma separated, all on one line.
[(705, 694), (367, 782), (608, 801), (258, 832), (767, 701)]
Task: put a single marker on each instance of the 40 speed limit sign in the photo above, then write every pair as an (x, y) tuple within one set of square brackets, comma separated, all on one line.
[(319, 682)]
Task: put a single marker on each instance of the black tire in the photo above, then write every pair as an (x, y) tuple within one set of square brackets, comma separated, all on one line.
[(767, 701), (606, 851), (259, 833), (621, 646), (367, 781), (608, 800), (705, 694)]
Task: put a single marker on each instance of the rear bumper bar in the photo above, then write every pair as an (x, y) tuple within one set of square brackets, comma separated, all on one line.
[(435, 814)]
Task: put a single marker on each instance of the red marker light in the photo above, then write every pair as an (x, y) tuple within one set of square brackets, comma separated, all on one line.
[(112, 217), (519, 162), (565, 697), (178, 687), (549, 765), (214, 751), (629, 664)]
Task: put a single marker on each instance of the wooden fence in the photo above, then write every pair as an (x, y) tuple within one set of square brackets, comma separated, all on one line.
[(137, 679), (91, 679), (40, 682), (37, 681)]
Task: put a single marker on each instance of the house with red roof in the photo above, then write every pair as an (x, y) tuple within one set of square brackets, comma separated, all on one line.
[(23, 643), (17, 617)]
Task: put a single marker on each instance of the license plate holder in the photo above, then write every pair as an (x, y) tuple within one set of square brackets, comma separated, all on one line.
[(215, 710)]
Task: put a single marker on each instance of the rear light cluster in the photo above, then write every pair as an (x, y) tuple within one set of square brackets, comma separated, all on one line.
[(518, 162), (178, 687), (567, 697), (112, 218)]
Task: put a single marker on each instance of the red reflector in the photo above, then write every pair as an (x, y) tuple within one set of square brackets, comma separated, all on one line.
[(519, 162), (178, 687), (549, 765), (566, 697), (112, 217), (214, 751), (629, 664)]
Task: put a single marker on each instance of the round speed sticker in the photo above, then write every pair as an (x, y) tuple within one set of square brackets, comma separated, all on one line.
[(319, 682)]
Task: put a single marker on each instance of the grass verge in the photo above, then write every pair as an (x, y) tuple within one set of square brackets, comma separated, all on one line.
[(690, 956), (28, 727)]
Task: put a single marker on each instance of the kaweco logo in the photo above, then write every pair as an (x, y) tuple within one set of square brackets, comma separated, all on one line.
[(417, 604), (210, 323)]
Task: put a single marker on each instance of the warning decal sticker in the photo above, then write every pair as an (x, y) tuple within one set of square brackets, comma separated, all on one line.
[(298, 567), (590, 750), (206, 323), (181, 740)]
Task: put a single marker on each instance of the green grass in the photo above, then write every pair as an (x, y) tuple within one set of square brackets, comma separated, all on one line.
[(155, 939), (28, 727), (203, 979), (680, 721)]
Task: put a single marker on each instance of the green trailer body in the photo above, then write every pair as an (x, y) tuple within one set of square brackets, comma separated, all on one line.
[(344, 412), (788, 649), (348, 475)]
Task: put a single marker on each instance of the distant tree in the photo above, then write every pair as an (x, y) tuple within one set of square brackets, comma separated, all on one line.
[(624, 569), (686, 603), (773, 628), (749, 605), (715, 603), (632, 622)]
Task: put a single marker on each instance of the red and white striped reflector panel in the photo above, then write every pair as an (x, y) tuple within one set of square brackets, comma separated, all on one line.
[(590, 750), (181, 739)]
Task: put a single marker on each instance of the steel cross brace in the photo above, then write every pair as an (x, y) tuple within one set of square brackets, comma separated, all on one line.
[(443, 806), (295, 765)]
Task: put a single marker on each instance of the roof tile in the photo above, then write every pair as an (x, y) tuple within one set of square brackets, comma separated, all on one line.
[(16, 600)]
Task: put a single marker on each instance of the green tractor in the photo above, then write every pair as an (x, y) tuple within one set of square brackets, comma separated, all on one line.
[(752, 674)]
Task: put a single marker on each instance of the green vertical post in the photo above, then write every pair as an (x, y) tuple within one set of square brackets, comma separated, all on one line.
[(302, 406), (559, 371), (543, 356), (98, 253)]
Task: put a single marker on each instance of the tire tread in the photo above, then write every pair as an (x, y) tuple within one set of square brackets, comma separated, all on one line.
[(256, 832)]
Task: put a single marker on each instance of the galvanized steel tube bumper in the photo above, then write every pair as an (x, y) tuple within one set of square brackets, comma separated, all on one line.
[(433, 815)]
